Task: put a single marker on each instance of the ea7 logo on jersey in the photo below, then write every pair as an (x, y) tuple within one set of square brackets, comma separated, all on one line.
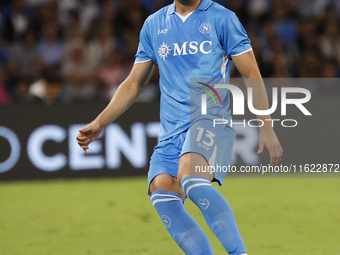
[(187, 48), (162, 31)]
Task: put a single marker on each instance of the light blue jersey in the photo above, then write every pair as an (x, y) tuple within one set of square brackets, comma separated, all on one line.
[(199, 45)]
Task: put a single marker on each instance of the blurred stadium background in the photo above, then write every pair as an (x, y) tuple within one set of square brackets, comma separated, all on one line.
[(91, 44), (60, 63)]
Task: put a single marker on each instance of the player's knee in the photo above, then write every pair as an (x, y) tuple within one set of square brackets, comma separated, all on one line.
[(182, 175), (167, 183)]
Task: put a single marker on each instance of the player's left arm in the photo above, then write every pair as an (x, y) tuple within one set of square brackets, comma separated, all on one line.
[(247, 66)]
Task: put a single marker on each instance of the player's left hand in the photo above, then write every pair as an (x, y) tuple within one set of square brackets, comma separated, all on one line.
[(269, 140)]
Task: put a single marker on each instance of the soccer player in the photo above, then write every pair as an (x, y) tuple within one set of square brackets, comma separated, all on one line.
[(191, 39)]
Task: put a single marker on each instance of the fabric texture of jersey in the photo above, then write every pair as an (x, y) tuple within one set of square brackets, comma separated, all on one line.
[(200, 45)]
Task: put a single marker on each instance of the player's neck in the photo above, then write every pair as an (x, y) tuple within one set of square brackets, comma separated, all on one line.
[(186, 9)]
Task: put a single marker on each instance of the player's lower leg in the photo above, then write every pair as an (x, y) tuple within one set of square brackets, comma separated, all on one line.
[(181, 226), (216, 211)]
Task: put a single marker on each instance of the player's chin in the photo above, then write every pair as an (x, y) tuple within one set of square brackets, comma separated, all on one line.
[(186, 2)]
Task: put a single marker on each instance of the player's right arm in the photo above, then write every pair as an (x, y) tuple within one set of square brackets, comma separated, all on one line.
[(125, 95)]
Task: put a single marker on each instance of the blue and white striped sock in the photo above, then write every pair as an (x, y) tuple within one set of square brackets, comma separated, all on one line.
[(181, 226), (216, 211)]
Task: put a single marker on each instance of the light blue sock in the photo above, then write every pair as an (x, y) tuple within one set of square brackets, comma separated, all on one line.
[(216, 211), (181, 226)]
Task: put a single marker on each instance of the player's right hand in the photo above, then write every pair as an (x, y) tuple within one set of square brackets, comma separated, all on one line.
[(269, 139), (87, 134)]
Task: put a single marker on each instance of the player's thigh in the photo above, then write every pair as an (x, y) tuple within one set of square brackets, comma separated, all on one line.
[(164, 165), (188, 164), (207, 146)]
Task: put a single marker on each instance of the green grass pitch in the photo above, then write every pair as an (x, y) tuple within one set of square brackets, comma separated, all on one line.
[(115, 216)]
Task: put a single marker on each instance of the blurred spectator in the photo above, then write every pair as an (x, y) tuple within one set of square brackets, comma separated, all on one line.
[(94, 42), (45, 11), (240, 9), (158, 4), (330, 85), (109, 11), (1, 26), (128, 23), (17, 18), (4, 3), (102, 45), (329, 70), (258, 8), (280, 66), (50, 49), (85, 10), (136, 17), (5, 98), (321, 5), (153, 5), (284, 26), (308, 28), (111, 75), (73, 27), (79, 72), (65, 6), (21, 95), (23, 56), (89, 10), (310, 65), (48, 89), (3, 57), (329, 42)]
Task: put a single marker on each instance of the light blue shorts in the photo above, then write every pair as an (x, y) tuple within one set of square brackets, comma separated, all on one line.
[(214, 143)]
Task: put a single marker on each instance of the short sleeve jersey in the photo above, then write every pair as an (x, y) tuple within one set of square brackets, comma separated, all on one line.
[(199, 45)]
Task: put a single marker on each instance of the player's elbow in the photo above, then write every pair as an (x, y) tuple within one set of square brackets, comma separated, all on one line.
[(130, 87), (253, 73)]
